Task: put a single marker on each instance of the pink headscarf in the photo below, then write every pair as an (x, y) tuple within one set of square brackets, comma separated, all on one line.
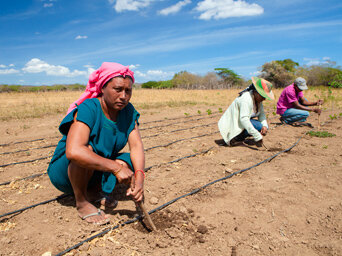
[(99, 78)]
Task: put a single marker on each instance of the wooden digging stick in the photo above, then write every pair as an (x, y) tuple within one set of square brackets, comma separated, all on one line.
[(142, 207), (264, 146)]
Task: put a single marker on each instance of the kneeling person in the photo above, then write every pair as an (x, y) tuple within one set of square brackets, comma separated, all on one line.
[(245, 116)]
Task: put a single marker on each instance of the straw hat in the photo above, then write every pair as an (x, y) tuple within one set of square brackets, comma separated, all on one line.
[(263, 87)]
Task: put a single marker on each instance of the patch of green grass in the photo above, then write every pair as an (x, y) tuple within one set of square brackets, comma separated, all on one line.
[(209, 111), (320, 134)]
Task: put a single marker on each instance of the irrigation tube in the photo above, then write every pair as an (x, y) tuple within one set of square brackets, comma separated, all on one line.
[(65, 195), (54, 145), (24, 162), (34, 205), (147, 149), (30, 161), (176, 199), (164, 125), (156, 121)]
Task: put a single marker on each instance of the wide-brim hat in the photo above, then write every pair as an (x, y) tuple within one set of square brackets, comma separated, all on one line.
[(263, 87)]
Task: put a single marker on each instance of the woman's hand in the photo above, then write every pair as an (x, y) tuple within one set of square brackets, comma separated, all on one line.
[(263, 130), (136, 191), (124, 175), (319, 102)]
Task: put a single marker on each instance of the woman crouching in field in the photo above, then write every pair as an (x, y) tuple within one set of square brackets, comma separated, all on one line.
[(238, 122), (96, 128)]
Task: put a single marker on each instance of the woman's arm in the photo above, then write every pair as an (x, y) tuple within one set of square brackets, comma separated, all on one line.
[(79, 152), (138, 160), (245, 120)]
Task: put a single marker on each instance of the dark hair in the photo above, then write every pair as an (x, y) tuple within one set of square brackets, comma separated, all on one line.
[(104, 86), (248, 89)]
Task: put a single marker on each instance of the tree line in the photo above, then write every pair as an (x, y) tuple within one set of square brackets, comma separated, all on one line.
[(279, 72)]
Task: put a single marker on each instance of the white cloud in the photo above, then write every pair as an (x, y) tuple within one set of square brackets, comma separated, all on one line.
[(316, 61), (48, 5), (134, 66), (37, 66), (11, 65), (255, 73), (80, 37), (155, 75), (174, 8), (2, 66), (222, 9), (129, 5), (8, 71), (138, 73)]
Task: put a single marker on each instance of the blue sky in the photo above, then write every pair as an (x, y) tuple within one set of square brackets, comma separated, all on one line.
[(45, 42)]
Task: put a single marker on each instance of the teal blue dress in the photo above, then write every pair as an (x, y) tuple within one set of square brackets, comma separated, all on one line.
[(107, 138)]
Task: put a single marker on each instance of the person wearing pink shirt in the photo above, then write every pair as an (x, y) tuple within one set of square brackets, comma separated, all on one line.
[(293, 107)]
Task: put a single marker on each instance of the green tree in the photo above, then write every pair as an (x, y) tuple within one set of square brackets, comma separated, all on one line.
[(288, 64), (150, 84), (186, 80), (276, 74), (229, 77), (337, 81)]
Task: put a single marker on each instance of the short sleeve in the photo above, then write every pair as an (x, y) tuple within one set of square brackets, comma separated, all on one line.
[(300, 94), (291, 96), (86, 113), (134, 114)]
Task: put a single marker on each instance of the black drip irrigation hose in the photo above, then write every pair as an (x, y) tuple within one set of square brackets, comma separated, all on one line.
[(158, 134), (144, 129), (24, 162), (25, 178), (176, 199), (147, 149), (165, 125), (156, 121), (175, 118), (30, 161), (173, 142), (18, 142), (24, 150), (34, 205), (65, 195)]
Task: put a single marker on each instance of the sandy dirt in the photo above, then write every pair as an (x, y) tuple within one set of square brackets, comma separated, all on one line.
[(291, 205)]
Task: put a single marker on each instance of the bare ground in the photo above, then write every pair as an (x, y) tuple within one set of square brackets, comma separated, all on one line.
[(291, 205)]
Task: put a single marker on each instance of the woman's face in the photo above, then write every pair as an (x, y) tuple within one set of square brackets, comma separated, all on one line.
[(258, 97), (117, 93)]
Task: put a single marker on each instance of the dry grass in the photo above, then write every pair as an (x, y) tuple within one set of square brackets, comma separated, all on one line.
[(30, 104)]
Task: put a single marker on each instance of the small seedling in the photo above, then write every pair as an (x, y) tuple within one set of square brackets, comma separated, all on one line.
[(220, 110), (274, 113), (186, 114), (332, 117), (199, 112), (209, 111), (325, 146), (340, 114), (320, 134)]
